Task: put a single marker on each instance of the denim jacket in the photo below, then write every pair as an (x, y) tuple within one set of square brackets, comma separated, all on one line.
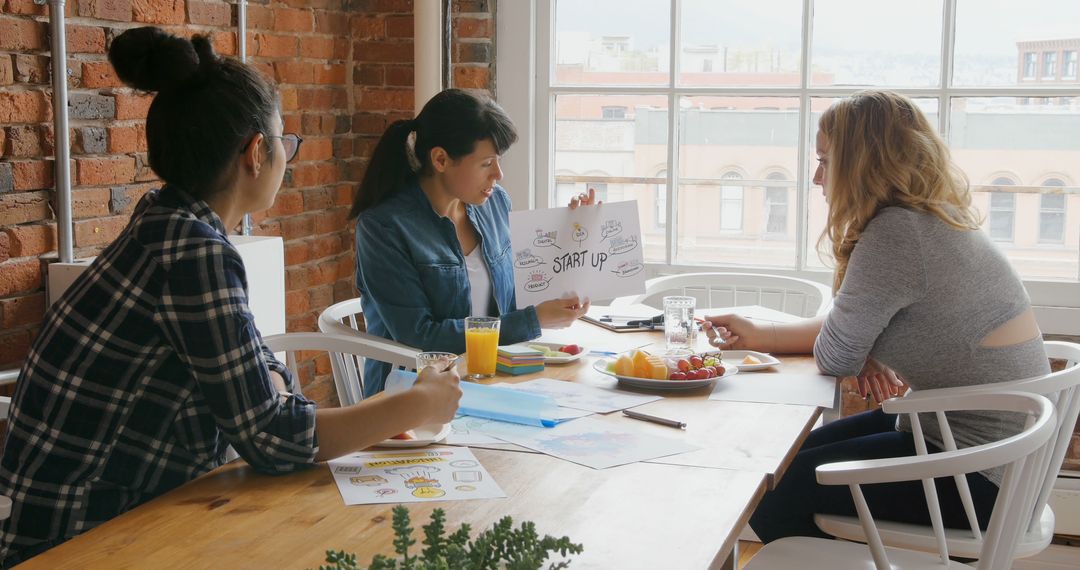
[(413, 283)]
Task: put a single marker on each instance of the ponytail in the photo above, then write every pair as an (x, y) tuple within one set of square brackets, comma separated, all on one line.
[(387, 170)]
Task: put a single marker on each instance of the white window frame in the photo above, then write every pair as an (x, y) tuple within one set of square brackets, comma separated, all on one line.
[(1049, 65), (525, 34), (1068, 64)]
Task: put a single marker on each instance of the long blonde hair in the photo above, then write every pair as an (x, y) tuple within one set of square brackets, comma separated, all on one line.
[(883, 152)]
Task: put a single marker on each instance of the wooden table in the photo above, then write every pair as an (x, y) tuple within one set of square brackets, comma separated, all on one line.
[(684, 511)]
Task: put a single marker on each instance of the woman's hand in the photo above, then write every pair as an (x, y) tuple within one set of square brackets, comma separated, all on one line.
[(735, 332), (584, 199), (880, 381), (561, 313), (442, 390)]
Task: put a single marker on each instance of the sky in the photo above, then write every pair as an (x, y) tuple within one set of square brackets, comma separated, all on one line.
[(983, 26)]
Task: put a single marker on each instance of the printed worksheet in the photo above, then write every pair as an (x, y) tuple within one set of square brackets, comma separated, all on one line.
[(590, 442), (593, 251), (412, 476), (583, 397)]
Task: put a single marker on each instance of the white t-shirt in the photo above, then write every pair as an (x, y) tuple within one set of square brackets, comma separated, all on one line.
[(479, 282)]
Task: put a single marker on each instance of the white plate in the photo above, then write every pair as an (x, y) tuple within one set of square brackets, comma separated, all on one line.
[(557, 346), (425, 435), (737, 356), (650, 384)]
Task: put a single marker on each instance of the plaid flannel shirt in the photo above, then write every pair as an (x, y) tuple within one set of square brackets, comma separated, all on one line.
[(144, 371)]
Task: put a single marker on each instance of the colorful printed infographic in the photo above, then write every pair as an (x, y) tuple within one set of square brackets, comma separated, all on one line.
[(593, 251), (416, 476)]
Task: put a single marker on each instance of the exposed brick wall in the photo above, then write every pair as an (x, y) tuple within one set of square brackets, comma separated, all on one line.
[(344, 69)]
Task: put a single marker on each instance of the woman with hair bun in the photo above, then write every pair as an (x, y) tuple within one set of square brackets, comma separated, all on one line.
[(433, 233), (150, 366), (922, 298)]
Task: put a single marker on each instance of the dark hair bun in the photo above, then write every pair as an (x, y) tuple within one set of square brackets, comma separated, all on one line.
[(153, 60)]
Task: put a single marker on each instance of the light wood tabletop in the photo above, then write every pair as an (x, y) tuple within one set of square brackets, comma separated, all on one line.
[(634, 516), (683, 511)]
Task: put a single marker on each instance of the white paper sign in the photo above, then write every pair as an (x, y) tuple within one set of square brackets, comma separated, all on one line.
[(419, 476), (593, 251)]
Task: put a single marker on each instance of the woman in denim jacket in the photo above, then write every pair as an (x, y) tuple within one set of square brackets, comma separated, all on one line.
[(433, 233)]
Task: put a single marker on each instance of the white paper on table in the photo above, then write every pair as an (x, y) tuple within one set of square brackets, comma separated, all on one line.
[(594, 252), (412, 476), (467, 430), (590, 442), (583, 397), (777, 388)]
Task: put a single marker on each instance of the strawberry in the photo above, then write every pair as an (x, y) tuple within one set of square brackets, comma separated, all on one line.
[(570, 349)]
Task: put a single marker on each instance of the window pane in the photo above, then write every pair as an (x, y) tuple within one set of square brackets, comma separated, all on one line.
[(589, 145), (877, 43), (1006, 44), (734, 42), (602, 42), (1028, 139), (731, 150)]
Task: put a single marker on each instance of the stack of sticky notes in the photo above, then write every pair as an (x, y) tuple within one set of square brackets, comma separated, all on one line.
[(519, 359)]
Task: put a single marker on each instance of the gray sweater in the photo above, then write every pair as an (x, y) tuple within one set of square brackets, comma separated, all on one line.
[(919, 296)]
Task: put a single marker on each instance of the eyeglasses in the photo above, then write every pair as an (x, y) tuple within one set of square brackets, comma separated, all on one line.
[(291, 142)]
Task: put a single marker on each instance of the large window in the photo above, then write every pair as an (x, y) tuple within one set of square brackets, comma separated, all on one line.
[(719, 94), (1069, 69)]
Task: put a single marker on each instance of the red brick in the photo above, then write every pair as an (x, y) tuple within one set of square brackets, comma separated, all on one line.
[(345, 267), (133, 105), (316, 149), (260, 17), (292, 123), (7, 72), (32, 174), (467, 6), (368, 27), (318, 99), (314, 174), (472, 27), (32, 69), (213, 13), (387, 52), (20, 276), (225, 42), (296, 302), (99, 231), (89, 202), (99, 75), (333, 23), (297, 227), (24, 107), (20, 311), (385, 99), (325, 246), (106, 170), (472, 77), (276, 45), (293, 72), (24, 207), (369, 74), (322, 274), (30, 239), (85, 39), (290, 20), (297, 252), (331, 221), (329, 74), (383, 5), (25, 7), (343, 195), (400, 75), (287, 204), (317, 48), (25, 141), (21, 34), (5, 247), (14, 347), (117, 10), (399, 27), (158, 11), (123, 139), (290, 100)]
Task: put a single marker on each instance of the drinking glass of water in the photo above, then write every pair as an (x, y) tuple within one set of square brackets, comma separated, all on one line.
[(679, 326)]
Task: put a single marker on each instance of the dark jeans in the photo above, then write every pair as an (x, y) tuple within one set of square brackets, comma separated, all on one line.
[(789, 509)]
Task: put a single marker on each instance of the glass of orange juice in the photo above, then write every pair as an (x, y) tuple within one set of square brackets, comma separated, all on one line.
[(481, 346)]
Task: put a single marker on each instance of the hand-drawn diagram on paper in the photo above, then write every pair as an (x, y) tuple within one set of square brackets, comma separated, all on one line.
[(416, 476), (593, 251)]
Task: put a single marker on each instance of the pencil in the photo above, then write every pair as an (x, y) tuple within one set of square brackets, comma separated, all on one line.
[(656, 420)]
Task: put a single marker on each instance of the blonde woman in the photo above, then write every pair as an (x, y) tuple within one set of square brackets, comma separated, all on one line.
[(922, 298)]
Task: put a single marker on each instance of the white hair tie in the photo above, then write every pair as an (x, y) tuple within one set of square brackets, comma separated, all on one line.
[(410, 152)]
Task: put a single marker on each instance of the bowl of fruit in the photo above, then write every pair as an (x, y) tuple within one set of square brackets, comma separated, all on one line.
[(641, 369), (555, 353)]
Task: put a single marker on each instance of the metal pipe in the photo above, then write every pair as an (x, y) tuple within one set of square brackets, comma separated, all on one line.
[(241, 50), (9, 376), (62, 144)]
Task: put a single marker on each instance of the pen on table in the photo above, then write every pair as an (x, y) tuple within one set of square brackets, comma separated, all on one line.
[(654, 419), (603, 352)]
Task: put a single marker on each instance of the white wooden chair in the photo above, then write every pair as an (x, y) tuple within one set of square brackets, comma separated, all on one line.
[(1020, 453), (1063, 389), (799, 297), (340, 319), (5, 501)]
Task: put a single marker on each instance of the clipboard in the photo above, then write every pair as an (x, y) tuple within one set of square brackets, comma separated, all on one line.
[(629, 318)]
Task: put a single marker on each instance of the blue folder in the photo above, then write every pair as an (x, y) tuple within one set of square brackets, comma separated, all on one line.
[(491, 402)]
